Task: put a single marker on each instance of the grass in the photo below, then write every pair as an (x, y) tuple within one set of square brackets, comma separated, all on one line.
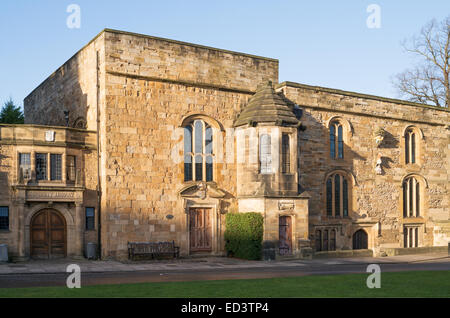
[(400, 284)]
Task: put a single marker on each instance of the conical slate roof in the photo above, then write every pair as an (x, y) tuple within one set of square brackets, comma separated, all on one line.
[(266, 106)]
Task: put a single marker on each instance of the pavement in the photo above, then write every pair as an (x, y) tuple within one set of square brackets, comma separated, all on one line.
[(53, 273), (205, 264)]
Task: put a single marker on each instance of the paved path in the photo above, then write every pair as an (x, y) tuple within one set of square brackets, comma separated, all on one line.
[(53, 273), (59, 266)]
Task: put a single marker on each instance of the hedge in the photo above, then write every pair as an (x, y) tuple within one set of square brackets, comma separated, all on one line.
[(244, 235)]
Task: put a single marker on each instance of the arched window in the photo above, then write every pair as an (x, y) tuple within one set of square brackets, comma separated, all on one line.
[(265, 154), (411, 197), (410, 146), (198, 152), (337, 195), (285, 154), (336, 140)]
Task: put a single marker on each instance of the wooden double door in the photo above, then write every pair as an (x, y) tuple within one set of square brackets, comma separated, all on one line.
[(200, 230), (48, 235)]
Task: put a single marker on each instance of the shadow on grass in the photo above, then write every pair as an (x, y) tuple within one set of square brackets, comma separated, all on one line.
[(400, 284)]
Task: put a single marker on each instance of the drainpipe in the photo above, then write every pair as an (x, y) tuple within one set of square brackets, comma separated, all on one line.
[(99, 187)]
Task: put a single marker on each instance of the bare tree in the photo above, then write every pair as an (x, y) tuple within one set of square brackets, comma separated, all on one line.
[(428, 82)]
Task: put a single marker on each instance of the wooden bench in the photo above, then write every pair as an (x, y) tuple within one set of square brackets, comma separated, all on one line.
[(153, 249)]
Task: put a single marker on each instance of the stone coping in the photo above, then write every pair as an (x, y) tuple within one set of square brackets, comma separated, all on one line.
[(47, 127), (359, 95)]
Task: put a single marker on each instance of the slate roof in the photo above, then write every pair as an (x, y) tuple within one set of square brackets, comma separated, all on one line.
[(266, 106)]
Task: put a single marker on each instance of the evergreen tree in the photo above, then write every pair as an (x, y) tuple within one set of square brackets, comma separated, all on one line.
[(11, 114)]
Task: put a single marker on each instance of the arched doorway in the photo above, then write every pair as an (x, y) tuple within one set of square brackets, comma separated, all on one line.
[(360, 240), (48, 235)]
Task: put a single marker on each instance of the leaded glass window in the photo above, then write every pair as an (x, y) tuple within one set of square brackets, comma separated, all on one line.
[(337, 195), (198, 152), (41, 166)]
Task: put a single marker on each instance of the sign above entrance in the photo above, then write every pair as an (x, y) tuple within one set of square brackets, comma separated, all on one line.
[(57, 196)]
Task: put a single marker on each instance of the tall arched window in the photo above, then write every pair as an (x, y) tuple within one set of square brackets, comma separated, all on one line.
[(337, 195), (336, 140), (411, 197), (265, 154), (410, 146), (198, 151)]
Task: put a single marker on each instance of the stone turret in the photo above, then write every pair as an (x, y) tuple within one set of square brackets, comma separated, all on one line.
[(267, 172), (266, 132)]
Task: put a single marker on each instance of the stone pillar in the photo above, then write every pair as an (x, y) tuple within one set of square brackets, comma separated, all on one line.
[(33, 166), (64, 166), (20, 211), (79, 229), (19, 224)]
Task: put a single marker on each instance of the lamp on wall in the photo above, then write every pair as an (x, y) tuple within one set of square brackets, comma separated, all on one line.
[(66, 117)]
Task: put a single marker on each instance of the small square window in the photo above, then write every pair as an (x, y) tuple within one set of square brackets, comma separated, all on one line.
[(4, 218), (90, 219)]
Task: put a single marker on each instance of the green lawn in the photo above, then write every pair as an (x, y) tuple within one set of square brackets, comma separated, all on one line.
[(402, 284)]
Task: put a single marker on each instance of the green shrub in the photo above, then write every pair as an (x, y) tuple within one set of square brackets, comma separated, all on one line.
[(244, 235)]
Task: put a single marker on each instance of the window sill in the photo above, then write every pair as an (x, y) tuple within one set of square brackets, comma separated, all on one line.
[(413, 219), (50, 183)]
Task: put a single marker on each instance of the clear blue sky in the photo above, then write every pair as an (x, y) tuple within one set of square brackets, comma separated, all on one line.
[(325, 43)]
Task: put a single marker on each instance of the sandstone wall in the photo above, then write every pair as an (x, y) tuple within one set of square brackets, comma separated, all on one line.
[(171, 60), (375, 198), (151, 86), (15, 139), (71, 87)]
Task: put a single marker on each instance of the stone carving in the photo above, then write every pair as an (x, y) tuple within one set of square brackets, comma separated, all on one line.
[(286, 205), (379, 136), (50, 135)]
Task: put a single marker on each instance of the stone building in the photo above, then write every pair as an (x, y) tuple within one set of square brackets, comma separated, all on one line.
[(138, 138)]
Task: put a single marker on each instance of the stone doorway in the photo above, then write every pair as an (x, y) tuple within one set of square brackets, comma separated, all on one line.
[(48, 235), (360, 240)]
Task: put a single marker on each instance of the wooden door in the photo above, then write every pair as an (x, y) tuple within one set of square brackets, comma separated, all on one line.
[(200, 230), (360, 240), (285, 235), (48, 235)]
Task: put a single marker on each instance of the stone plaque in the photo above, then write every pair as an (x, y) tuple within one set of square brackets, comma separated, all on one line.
[(286, 205), (51, 196), (50, 135)]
